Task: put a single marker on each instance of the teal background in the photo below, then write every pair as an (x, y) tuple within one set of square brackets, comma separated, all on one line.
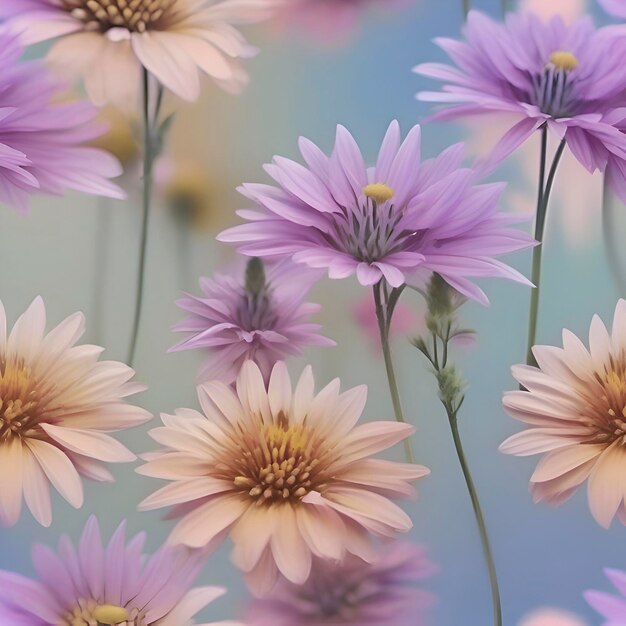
[(544, 556)]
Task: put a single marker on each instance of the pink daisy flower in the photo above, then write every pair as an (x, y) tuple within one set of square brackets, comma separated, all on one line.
[(286, 473), (258, 316), (387, 221), (42, 139), (106, 42), (352, 592), (576, 409), (57, 404), (612, 608), (568, 78), (116, 584)]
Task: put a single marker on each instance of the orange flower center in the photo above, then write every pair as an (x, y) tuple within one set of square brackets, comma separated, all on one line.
[(134, 15), (19, 400), (278, 462), (608, 404)]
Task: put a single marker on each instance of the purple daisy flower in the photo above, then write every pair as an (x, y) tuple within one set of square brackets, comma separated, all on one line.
[(116, 584), (567, 78), (612, 608), (353, 592), (42, 140), (257, 316), (400, 217)]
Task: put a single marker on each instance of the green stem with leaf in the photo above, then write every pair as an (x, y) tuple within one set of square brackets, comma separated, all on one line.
[(452, 400)]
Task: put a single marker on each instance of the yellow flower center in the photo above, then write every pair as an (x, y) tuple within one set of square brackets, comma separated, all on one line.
[(563, 60), (134, 15), (110, 614), (379, 192), (278, 463), (91, 613)]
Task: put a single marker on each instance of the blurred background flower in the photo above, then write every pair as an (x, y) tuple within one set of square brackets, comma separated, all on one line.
[(551, 617), (105, 45), (330, 21), (611, 607), (258, 315), (354, 592)]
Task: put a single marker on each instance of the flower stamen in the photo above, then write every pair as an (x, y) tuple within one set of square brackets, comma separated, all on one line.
[(110, 615), (280, 464), (379, 192), (134, 15), (563, 60)]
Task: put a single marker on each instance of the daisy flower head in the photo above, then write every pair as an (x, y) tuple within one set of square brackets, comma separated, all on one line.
[(575, 405), (566, 77), (115, 584), (260, 316), (286, 473), (611, 607), (386, 221), (106, 42), (352, 592), (58, 403), (43, 138)]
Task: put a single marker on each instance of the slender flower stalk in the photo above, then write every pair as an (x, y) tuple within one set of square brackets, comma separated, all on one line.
[(543, 199), (610, 240), (443, 303), (478, 514), (151, 141), (466, 8), (384, 315)]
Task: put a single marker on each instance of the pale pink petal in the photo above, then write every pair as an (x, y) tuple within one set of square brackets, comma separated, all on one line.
[(59, 470), (159, 53), (607, 485), (199, 527), (90, 443), (36, 490), (291, 553), (11, 480)]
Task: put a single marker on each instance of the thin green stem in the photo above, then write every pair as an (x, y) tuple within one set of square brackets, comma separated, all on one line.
[(505, 7), (383, 326), (480, 518), (148, 162), (540, 223), (610, 240), (466, 8)]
